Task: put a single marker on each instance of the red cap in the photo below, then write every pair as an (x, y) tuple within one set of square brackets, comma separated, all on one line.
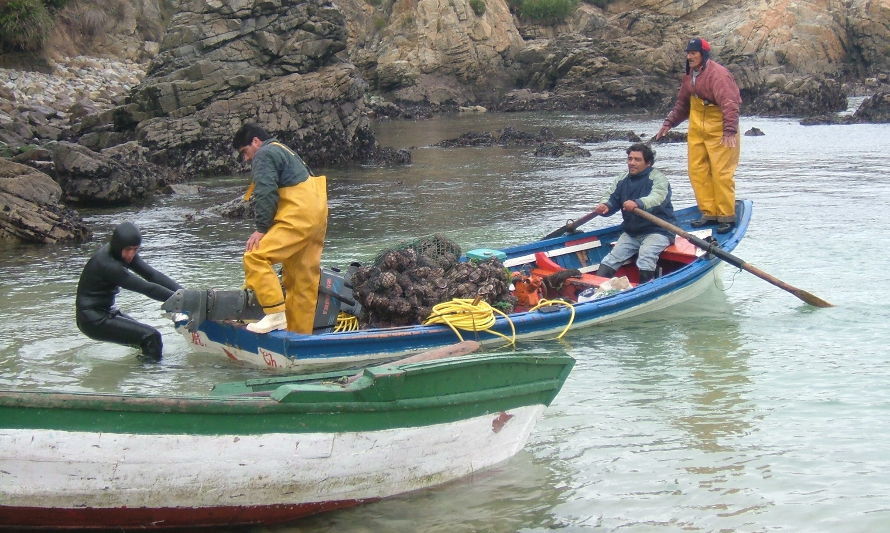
[(698, 45)]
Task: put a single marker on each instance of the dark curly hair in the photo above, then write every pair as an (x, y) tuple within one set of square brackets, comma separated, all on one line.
[(246, 133), (648, 152)]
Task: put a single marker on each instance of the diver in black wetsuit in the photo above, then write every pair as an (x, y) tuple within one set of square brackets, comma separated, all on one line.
[(111, 267)]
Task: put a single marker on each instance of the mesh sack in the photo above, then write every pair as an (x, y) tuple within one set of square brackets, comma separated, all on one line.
[(405, 282)]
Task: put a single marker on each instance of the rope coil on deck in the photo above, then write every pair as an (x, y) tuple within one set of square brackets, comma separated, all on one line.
[(469, 315), (346, 322), (546, 303)]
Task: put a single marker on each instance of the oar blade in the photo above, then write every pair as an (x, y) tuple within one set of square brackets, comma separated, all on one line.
[(811, 299), (733, 260)]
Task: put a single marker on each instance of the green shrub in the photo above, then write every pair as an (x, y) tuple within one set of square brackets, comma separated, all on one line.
[(55, 4), (547, 11), (478, 7), (12, 151), (24, 25), (598, 3)]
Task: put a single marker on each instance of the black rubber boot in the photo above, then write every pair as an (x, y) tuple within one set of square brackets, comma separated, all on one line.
[(152, 347), (605, 271), (646, 275), (725, 227), (702, 222)]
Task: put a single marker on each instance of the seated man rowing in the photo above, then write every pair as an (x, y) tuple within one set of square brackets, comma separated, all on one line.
[(647, 188)]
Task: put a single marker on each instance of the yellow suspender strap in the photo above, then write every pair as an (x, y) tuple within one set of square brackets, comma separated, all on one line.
[(291, 152), (249, 191)]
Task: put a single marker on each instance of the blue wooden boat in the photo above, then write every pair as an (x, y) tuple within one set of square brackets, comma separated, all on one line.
[(685, 272)]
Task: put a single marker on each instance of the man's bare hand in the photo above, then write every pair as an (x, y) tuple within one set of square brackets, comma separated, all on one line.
[(253, 241), (730, 141)]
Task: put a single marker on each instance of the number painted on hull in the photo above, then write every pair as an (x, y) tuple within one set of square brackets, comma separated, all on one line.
[(268, 358)]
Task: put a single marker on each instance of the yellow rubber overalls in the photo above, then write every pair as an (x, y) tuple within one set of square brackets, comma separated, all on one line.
[(711, 165), (295, 241)]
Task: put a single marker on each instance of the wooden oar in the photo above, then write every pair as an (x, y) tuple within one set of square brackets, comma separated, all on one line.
[(571, 226), (713, 248)]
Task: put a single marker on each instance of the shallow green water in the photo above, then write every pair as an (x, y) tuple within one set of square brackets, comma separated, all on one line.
[(745, 410)]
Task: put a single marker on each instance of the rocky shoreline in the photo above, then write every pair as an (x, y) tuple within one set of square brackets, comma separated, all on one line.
[(104, 82), (43, 173), (113, 131), (38, 107), (47, 169)]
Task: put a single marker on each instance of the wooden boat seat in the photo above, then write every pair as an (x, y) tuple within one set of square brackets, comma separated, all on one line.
[(683, 251), (551, 261)]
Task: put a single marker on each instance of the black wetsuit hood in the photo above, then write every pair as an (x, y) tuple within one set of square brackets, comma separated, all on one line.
[(124, 235)]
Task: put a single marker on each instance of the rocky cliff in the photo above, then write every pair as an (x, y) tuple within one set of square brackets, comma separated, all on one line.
[(315, 71), (433, 51), (225, 62), (787, 55)]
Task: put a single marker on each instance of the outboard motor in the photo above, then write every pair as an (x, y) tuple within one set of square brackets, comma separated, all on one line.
[(334, 296)]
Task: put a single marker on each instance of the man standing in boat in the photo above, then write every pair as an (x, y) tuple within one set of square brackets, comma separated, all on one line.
[(115, 265), (710, 99), (647, 188), (291, 220)]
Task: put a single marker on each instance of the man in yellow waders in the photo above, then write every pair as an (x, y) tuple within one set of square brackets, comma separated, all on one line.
[(710, 99), (291, 220)]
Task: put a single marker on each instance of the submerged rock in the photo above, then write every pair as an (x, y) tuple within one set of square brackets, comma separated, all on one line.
[(236, 209), (561, 149), (673, 137), (610, 135), (806, 96), (509, 136), (875, 108)]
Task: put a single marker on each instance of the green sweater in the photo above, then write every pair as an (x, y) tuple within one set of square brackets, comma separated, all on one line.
[(274, 166)]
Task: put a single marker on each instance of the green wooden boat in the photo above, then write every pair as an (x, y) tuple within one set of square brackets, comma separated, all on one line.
[(268, 450)]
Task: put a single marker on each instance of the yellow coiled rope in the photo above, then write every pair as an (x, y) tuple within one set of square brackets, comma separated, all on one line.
[(469, 315), (345, 322), (545, 303)]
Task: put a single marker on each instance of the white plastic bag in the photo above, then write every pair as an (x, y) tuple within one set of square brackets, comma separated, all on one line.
[(611, 286)]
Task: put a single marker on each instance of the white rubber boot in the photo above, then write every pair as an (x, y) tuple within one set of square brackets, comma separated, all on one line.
[(270, 322)]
